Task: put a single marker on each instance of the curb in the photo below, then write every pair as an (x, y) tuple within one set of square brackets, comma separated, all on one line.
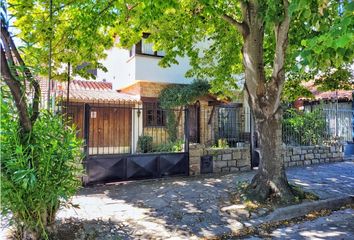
[(300, 210)]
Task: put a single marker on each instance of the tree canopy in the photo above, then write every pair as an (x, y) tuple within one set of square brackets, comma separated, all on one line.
[(320, 34), (79, 30)]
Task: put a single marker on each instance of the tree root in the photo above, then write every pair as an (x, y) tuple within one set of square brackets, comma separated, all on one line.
[(265, 188)]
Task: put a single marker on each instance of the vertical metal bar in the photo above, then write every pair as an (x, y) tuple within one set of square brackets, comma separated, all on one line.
[(86, 131), (68, 92), (186, 129)]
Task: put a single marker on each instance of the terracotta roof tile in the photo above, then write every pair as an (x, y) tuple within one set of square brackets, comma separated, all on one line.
[(94, 91), (328, 95)]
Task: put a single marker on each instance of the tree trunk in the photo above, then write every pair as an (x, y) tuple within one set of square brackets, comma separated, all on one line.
[(264, 95), (18, 95), (270, 179)]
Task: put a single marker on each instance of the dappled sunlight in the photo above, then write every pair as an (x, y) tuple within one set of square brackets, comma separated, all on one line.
[(299, 182), (321, 234), (288, 233), (332, 179), (184, 208), (325, 180), (180, 183), (190, 208)]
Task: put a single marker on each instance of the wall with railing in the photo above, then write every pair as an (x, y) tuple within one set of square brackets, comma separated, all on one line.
[(317, 127)]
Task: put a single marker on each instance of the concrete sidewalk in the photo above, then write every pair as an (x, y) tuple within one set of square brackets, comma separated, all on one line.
[(184, 208), (189, 208)]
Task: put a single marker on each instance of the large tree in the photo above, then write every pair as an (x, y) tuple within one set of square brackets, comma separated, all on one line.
[(226, 38), (267, 41)]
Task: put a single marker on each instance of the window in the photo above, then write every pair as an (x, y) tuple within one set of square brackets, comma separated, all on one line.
[(146, 48), (154, 116)]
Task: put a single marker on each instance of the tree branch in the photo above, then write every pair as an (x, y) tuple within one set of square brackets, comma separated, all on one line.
[(34, 83), (17, 93), (241, 26), (281, 31)]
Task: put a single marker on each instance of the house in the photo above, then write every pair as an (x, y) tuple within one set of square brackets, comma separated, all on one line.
[(128, 135), (338, 108), (123, 104)]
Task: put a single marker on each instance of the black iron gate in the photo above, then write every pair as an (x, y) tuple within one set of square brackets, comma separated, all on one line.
[(103, 165), (111, 168)]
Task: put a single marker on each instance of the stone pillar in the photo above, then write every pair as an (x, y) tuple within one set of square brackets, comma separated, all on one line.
[(195, 152)]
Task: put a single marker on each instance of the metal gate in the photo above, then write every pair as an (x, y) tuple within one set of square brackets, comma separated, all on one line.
[(110, 133), (110, 168)]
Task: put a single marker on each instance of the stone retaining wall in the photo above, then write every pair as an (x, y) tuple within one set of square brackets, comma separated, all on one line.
[(239, 159), (224, 160), (307, 155)]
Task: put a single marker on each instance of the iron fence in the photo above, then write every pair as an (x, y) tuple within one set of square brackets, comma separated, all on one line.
[(224, 126), (317, 127), (135, 127), (127, 127)]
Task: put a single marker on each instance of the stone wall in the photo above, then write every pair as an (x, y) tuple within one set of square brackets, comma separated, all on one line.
[(230, 159), (239, 159), (224, 160), (307, 155)]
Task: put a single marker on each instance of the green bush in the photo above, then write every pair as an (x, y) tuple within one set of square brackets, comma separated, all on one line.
[(145, 144), (37, 176), (176, 146), (303, 128), (171, 125)]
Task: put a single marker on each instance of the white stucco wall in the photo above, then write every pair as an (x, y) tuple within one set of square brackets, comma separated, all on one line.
[(124, 70), (147, 69), (121, 68)]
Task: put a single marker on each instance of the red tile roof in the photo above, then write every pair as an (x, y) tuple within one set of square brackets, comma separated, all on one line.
[(90, 85), (346, 95), (94, 91)]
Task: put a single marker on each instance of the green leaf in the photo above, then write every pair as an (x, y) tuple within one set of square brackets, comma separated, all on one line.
[(345, 40)]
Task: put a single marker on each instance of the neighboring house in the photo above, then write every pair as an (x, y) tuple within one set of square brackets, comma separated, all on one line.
[(338, 107)]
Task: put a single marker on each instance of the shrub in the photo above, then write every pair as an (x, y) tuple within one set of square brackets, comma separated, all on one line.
[(171, 125), (176, 146), (303, 128), (144, 144), (39, 175)]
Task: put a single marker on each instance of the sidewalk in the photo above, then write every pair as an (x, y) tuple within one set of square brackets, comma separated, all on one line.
[(339, 225), (181, 208), (189, 208)]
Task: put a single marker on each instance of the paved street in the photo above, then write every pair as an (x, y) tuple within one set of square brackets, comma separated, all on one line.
[(337, 226), (326, 180), (188, 208)]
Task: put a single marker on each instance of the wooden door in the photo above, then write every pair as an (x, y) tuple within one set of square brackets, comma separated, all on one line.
[(110, 130)]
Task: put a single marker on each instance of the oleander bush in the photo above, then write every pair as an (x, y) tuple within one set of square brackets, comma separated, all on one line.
[(38, 175)]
